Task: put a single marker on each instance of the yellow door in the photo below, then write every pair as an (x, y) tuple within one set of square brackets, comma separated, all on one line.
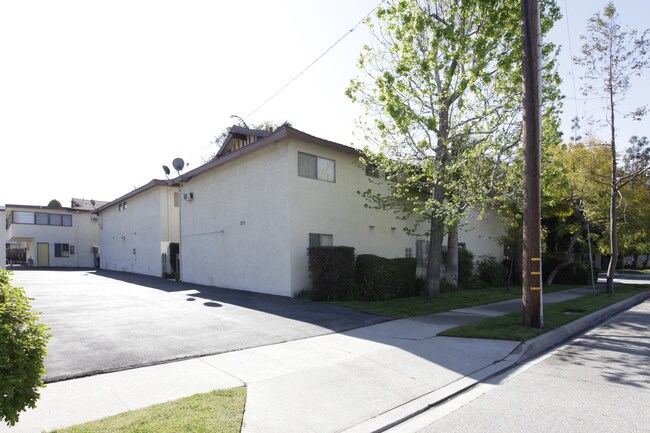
[(43, 254)]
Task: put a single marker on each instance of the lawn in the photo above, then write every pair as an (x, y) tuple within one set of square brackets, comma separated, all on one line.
[(214, 412), (634, 271), (423, 305), (509, 326)]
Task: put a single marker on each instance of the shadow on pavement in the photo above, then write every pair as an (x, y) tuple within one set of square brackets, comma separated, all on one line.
[(329, 316)]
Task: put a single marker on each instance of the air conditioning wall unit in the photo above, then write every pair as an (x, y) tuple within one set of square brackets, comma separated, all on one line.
[(188, 196)]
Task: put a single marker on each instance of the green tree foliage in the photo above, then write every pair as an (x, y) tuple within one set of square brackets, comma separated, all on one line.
[(54, 203), (611, 56), (634, 236), (22, 351), (441, 88)]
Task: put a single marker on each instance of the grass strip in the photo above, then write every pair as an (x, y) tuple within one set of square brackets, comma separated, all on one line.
[(424, 305), (215, 412), (633, 271), (509, 326)]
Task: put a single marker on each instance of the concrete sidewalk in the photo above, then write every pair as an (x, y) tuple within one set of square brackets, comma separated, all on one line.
[(359, 380)]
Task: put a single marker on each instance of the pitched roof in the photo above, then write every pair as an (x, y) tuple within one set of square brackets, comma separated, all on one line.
[(82, 203), (241, 132), (281, 133), (152, 183)]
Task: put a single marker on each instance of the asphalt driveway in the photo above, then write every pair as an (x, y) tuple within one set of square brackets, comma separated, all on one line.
[(105, 321)]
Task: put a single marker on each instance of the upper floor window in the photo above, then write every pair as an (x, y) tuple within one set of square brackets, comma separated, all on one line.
[(316, 167), (41, 218)]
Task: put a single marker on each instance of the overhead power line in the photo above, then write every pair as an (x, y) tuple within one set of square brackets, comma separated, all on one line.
[(316, 60)]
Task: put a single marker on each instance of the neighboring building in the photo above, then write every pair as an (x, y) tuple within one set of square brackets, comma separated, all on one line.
[(249, 216), (48, 236), (83, 204), (137, 229), (3, 239)]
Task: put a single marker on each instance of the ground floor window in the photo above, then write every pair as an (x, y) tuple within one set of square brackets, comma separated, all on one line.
[(421, 252), (63, 250), (320, 240)]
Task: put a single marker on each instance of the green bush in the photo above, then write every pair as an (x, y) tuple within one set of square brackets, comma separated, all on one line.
[(331, 270), (474, 282), (380, 278), (465, 266), (492, 272), (22, 351)]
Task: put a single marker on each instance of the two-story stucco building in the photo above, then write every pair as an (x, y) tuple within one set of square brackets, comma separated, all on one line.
[(136, 229), (249, 216), (3, 239), (53, 236)]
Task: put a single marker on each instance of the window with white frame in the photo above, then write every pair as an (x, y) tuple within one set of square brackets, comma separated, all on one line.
[(41, 218), (316, 167), (320, 240)]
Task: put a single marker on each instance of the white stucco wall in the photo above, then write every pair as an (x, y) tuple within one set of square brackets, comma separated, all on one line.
[(83, 234), (3, 240), (481, 236), (335, 208), (134, 239), (248, 225), (234, 232)]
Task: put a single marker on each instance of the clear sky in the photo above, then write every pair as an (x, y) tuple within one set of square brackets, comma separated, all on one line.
[(96, 96)]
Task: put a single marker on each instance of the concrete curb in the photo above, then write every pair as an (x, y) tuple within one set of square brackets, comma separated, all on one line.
[(549, 339), (525, 350)]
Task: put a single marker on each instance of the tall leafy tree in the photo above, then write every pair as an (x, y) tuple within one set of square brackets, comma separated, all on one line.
[(611, 55), (635, 204), (441, 90)]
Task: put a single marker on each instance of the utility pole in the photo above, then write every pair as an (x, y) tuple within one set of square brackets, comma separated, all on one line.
[(532, 134)]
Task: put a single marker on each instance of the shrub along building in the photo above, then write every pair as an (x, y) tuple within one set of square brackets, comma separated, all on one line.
[(52, 236), (137, 230), (249, 216)]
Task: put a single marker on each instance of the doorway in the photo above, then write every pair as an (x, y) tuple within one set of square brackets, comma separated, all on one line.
[(43, 254)]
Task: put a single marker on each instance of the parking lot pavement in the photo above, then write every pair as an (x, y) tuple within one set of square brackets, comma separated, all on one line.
[(105, 321)]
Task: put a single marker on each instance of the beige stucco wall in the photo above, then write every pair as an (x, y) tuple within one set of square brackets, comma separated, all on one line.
[(134, 239), (234, 233)]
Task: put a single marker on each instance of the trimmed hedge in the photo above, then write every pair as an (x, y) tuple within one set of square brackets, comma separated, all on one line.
[(380, 278), (332, 273), (22, 351)]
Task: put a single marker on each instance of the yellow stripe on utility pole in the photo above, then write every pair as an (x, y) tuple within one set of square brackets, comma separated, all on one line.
[(535, 288)]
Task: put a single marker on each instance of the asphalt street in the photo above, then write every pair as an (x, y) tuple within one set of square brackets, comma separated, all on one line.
[(598, 383), (105, 321)]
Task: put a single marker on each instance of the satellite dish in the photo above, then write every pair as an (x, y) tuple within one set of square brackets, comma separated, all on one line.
[(178, 164), (166, 170)]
